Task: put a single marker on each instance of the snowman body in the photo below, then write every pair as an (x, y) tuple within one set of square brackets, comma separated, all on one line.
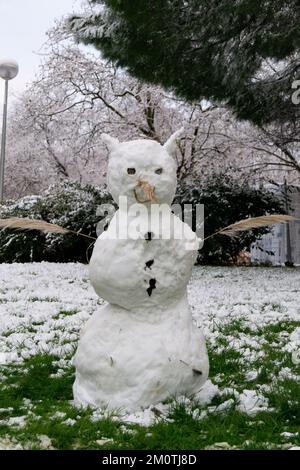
[(142, 346)]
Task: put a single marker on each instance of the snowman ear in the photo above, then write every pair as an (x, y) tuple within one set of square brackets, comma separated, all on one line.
[(171, 144), (110, 142)]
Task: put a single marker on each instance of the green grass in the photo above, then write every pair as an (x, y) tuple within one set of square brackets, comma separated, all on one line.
[(36, 394), (31, 390), (64, 313)]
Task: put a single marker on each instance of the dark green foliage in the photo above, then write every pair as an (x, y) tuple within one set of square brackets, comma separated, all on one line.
[(214, 49), (75, 207), (226, 201), (68, 204)]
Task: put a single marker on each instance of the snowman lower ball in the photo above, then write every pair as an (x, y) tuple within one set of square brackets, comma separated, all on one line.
[(142, 346)]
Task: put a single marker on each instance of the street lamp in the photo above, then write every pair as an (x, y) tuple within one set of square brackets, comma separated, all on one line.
[(8, 70)]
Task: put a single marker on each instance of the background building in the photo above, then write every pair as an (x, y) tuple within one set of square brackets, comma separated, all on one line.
[(284, 240)]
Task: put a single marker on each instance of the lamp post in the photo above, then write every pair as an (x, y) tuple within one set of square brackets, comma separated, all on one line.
[(8, 70)]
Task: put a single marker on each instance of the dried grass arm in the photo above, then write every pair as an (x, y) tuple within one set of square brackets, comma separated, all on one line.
[(40, 225), (233, 230), (230, 231)]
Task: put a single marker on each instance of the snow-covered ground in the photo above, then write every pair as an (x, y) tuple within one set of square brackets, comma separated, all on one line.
[(257, 296), (57, 299), (43, 307)]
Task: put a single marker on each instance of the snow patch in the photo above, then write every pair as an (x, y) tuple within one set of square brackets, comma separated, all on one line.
[(207, 393), (251, 403)]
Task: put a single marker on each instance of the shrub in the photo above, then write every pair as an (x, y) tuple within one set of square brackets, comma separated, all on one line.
[(74, 206), (68, 204), (227, 200)]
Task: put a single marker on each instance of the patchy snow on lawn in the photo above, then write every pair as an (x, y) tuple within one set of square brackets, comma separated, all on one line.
[(260, 295), (43, 307)]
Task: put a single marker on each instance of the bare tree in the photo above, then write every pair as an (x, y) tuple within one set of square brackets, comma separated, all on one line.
[(55, 131)]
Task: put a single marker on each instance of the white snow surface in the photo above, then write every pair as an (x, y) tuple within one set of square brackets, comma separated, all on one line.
[(252, 403), (35, 297)]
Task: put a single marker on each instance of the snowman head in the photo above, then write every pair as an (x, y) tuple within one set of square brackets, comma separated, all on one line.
[(142, 170)]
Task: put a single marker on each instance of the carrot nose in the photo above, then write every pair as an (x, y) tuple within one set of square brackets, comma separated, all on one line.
[(148, 190)]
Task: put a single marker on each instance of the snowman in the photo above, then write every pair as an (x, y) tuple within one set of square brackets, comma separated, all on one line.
[(142, 346)]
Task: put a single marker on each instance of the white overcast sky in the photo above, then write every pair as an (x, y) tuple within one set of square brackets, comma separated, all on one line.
[(23, 24)]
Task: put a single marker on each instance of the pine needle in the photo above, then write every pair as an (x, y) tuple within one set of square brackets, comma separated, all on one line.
[(40, 225), (252, 223)]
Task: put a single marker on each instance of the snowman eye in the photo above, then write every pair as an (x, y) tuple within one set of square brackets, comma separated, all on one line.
[(158, 171), (131, 171)]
